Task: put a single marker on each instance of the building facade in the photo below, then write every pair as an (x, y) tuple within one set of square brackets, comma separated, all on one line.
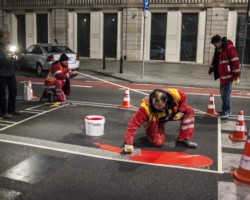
[(171, 30)]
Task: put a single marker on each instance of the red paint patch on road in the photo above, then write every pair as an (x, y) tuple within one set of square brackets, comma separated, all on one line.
[(164, 158)]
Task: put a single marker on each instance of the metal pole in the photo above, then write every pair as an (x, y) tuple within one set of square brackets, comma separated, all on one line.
[(103, 62), (143, 44), (245, 35), (121, 65)]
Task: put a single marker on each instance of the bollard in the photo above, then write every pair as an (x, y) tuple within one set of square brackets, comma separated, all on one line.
[(121, 65), (104, 63)]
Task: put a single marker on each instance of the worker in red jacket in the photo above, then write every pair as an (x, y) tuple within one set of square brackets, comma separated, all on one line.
[(161, 106), (226, 66), (58, 78)]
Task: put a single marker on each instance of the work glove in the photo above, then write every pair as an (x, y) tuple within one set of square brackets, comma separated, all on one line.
[(178, 116), (128, 149), (236, 81), (73, 74)]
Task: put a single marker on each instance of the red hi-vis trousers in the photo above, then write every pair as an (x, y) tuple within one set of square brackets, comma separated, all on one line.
[(59, 91), (156, 132)]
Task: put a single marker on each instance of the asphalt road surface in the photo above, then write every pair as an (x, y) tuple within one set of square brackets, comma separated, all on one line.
[(46, 154)]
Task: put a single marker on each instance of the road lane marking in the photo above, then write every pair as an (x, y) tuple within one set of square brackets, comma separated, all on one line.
[(219, 146), (232, 191), (29, 118), (84, 151), (137, 91)]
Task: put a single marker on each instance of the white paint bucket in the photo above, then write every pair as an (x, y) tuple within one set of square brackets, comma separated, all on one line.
[(94, 125)]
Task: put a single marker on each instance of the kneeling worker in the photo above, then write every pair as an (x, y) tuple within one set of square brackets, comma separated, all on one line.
[(155, 110), (58, 78)]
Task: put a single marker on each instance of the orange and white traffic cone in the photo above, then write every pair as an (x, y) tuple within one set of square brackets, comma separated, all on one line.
[(126, 100), (239, 131), (32, 93), (211, 107), (242, 174)]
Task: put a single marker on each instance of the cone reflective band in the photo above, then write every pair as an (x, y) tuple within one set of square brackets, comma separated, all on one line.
[(211, 106), (242, 174), (126, 100), (239, 131)]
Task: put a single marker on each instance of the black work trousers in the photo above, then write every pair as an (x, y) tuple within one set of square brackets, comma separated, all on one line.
[(11, 84)]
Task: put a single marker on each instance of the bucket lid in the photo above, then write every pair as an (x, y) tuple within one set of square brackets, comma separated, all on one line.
[(94, 117)]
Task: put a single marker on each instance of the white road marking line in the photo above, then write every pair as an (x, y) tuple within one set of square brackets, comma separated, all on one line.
[(81, 86), (79, 150), (137, 91), (232, 191), (74, 85), (35, 83), (230, 162), (200, 94), (93, 104), (8, 122), (219, 147), (38, 114), (227, 143), (30, 111)]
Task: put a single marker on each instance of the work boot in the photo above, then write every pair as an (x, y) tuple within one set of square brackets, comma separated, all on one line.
[(186, 143)]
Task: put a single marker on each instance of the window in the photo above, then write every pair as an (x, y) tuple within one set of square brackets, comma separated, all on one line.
[(36, 50), (83, 35), (110, 35), (241, 25), (21, 33), (42, 28), (57, 49), (158, 36), (189, 31), (30, 49)]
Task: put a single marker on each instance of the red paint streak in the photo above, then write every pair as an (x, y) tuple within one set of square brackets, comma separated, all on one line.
[(108, 148), (165, 158)]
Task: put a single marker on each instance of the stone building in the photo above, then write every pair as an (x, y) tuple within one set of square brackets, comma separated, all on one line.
[(171, 30)]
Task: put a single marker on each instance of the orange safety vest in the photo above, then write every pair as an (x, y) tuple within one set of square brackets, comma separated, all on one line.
[(51, 77)]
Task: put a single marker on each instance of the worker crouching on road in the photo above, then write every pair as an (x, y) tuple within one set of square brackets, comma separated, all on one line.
[(155, 110), (58, 78)]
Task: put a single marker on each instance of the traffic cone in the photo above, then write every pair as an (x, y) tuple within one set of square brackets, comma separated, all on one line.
[(239, 131), (126, 100), (211, 107), (242, 174), (32, 93)]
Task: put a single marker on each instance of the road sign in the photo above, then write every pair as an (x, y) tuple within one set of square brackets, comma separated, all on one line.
[(146, 4)]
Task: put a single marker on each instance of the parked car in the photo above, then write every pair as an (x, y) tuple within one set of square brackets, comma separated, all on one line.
[(40, 57), (157, 52)]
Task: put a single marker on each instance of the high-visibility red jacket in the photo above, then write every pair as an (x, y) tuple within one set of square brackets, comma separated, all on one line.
[(177, 102), (59, 72), (228, 64)]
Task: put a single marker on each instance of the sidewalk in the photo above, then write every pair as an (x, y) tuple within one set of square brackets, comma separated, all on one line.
[(156, 72)]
